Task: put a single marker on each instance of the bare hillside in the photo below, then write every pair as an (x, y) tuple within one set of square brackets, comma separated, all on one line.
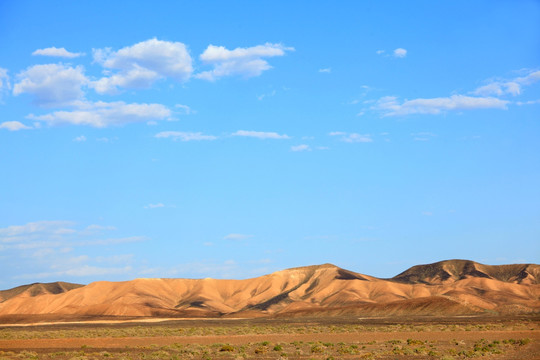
[(454, 287)]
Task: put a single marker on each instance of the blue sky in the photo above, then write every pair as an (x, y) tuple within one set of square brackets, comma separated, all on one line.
[(233, 139)]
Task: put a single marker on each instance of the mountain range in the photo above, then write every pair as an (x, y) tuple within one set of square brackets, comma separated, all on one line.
[(446, 288)]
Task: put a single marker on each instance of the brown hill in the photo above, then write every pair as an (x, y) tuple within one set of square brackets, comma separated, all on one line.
[(36, 289), (453, 270), (306, 291)]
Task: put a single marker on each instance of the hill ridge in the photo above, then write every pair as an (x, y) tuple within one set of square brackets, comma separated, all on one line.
[(450, 287)]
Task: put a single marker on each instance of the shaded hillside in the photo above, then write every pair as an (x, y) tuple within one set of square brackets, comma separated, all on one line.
[(453, 270), (454, 287), (36, 289)]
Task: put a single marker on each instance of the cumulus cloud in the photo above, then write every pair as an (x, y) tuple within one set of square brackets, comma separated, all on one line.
[(352, 137), (140, 65), (400, 52), (261, 134), (52, 84), (508, 87), (391, 106), (302, 147), (104, 114), (184, 136), (14, 126), (247, 62), (57, 52)]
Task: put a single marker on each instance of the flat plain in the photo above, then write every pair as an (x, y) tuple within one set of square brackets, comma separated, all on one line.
[(510, 337)]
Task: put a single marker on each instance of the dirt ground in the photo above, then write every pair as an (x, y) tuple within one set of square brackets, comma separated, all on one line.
[(328, 338)]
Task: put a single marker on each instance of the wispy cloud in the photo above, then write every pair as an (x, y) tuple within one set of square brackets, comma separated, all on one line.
[(5, 84), (512, 87), (391, 106), (270, 94), (185, 109), (302, 147), (184, 136), (260, 134), (105, 114), (236, 236), (14, 126), (423, 136), (57, 52), (325, 70), (352, 137), (154, 206), (80, 138)]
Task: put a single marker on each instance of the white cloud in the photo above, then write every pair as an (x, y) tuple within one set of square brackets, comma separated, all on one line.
[(52, 84), (54, 249), (505, 87), (103, 114), (58, 52), (380, 52), (184, 136), (135, 78), (142, 64), (530, 102), (9, 234), (81, 138), (81, 271), (302, 147), (236, 236), (95, 227), (186, 109), (352, 137), (14, 126), (5, 85), (272, 93), (400, 52), (390, 106), (326, 70), (260, 134), (245, 62), (154, 206), (423, 136), (113, 241)]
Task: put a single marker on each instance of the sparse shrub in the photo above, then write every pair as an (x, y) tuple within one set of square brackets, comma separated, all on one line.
[(414, 342), (260, 350), (227, 347), (278, 348)]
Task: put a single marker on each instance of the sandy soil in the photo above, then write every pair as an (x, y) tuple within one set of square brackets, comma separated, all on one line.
[(119, 343)]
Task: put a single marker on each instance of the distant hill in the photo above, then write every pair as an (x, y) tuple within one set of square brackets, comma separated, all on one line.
[(36, 289), (454, 270), (453, 287)]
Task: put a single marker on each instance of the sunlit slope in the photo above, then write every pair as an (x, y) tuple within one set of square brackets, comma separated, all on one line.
[(454, 287), (37, 289)]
